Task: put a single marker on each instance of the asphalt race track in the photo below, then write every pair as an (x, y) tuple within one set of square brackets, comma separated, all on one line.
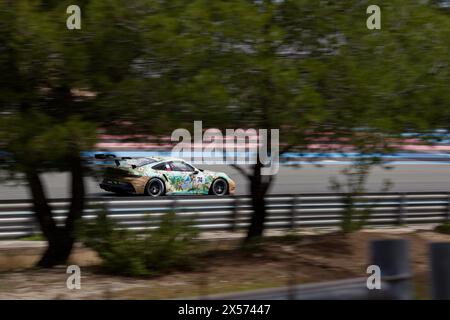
[(308, 178)]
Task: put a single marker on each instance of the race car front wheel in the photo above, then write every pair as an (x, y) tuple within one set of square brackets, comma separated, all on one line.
[(155, 188), (219, 187)]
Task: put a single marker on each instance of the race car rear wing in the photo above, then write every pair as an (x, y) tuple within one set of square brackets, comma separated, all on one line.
[(106, 156)]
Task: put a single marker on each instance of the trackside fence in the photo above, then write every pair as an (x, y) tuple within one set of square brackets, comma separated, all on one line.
[(392, 256), (233, 213)]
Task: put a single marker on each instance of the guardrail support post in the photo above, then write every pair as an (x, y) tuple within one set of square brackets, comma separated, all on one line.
[(174, 206), (440, 270), (293, 211), (448, 207), (392, 257), (34, 226), (402, 210), (234, 213)]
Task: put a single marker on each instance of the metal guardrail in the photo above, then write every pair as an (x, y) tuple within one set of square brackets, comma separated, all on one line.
[(391, 256), (233, 213), (347, 289)]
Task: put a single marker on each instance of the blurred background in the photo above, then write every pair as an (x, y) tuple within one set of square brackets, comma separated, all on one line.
[(358, 110)]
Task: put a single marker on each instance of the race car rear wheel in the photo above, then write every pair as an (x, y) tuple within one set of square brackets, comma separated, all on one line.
[(155, 188), (219, 187)]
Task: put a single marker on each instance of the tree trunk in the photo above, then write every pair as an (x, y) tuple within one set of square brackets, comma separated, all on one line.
[(42, 210), (60, 239), (78, 193), (259, 186), (60, 246)]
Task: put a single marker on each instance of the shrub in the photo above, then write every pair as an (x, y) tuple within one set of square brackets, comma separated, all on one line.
[(352, 218), (171, 246), (443, 227), (355, 218)]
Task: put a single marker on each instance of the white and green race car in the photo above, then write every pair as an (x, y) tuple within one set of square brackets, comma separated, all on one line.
[(156, 176)]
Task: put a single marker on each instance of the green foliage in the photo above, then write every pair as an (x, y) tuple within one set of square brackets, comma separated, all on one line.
[(353, 188), (443, 228), (169, 247), (353, 219), (291, 237), (149, 66), (34, 237), (301, 66), (35, 140)]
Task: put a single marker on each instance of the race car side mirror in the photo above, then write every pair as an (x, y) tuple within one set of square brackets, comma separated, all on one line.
[(195, 172)]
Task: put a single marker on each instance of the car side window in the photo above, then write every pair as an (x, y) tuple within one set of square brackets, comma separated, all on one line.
[(181, 166), (162, 166)]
